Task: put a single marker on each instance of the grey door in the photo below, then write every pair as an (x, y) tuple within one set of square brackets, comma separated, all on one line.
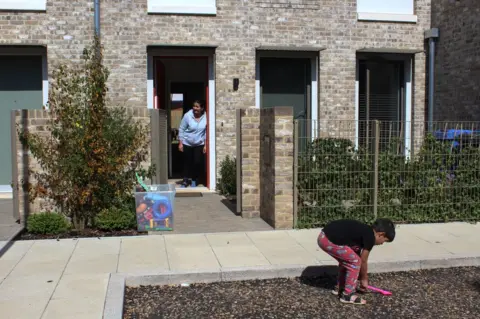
[(20, 88), (287, 82)]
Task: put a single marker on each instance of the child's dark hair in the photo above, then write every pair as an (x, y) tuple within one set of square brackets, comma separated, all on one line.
[(385, 225)]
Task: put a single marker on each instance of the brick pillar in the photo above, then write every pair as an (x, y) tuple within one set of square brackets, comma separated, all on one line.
[(250, 162), (276, 167), (267, 165)]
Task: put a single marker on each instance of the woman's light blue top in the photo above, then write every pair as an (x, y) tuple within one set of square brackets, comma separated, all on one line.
[(192, 132)]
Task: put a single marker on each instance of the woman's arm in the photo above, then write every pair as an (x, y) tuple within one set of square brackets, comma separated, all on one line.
[(181, 133)]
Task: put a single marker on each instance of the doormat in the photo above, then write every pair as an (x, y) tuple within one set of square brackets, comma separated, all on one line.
[(189, 194)]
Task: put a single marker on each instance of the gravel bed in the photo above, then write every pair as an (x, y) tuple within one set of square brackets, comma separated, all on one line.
[(440, 293)]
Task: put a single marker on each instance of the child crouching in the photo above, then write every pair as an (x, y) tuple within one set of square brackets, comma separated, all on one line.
[(350, 243)]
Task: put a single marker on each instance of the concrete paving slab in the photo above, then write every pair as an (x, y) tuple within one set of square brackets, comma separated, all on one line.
[(43, 248), (281, 249), (140, 254), (308, 240), (23, 308), (460, 247), (17, 250), (41, 267), (82, 286), (228, 239), (200, 257), (288, 255), (95, 264), (6, 266), (269, 238), (190, 251), (241, 256), (98, 246), (236, 249), (36, 286), (78, 308)]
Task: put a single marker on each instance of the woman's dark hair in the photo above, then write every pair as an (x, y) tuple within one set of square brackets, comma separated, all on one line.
[(385, 225), (200, 102)]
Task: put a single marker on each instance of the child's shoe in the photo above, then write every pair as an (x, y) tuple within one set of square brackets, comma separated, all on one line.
[(335, 290), (352, 298)]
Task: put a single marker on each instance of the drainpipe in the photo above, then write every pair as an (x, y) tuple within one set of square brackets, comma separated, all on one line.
[(431, 35), (97, 17)]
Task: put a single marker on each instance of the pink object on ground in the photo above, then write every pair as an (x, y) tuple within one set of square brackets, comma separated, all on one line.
[(383, 292)]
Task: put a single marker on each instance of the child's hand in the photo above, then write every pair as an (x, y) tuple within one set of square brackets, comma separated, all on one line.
[(364, 285)]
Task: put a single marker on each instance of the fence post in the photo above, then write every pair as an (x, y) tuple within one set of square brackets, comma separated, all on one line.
[(238, 160), (376, 154), (296, 144)]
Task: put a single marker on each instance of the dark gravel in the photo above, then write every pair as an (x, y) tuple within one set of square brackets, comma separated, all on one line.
[(87, 233), (441, 293)]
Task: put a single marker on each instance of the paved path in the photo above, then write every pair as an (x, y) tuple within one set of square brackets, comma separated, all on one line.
[(8, 225), (68, 278), (210, 213)]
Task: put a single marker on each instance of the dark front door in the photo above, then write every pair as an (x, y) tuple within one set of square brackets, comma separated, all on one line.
[(190, 91), (287, 82), (20, 88)]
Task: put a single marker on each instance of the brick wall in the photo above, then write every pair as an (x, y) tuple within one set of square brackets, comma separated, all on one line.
[(457, 84), (35, 121), (267, 165), (238, 28)]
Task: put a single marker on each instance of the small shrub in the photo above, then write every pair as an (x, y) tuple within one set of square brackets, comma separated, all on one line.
[(227, 183), (115, 219), (47, 224)]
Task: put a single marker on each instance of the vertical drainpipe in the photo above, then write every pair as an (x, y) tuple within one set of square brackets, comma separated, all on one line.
[(431, 35), (97, 17)]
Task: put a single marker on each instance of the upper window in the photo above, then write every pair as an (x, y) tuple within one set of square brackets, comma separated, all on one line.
[(183, 6), (31, 5), (386, 10)]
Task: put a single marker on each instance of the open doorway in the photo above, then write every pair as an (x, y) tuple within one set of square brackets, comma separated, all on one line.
[(178, 82)]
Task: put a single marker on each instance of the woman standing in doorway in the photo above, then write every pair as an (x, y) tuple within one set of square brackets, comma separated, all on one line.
[(192, 134)]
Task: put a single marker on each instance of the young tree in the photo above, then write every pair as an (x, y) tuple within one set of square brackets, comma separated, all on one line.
[(89, 159)]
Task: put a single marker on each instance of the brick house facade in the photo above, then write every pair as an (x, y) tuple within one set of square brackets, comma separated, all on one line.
[(457, 65), (331, 33)]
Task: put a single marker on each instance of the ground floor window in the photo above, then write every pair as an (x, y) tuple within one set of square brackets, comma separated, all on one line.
[(383, 94)]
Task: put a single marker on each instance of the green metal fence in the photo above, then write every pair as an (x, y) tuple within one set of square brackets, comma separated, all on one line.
[(365, 170)]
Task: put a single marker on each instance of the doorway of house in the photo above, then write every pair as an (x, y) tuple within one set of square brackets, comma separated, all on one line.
[(178, 82)]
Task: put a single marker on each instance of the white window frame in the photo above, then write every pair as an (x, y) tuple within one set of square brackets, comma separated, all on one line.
[(185, 7), (23, 5), (375, 15)]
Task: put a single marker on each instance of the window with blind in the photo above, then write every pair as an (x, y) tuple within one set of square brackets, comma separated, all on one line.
[(381, 97)]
